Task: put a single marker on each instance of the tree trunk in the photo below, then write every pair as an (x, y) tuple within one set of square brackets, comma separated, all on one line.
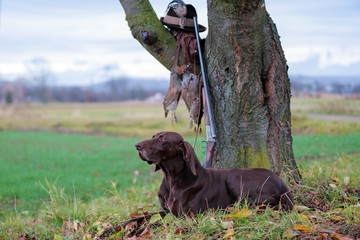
[(249, 85)]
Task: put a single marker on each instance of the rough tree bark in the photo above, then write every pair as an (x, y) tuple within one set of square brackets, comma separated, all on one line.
[(249, 83)]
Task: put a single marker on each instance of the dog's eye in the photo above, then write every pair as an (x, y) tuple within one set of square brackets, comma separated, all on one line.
[(161, 138)]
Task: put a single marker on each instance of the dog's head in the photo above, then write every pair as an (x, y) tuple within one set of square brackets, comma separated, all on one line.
[(165, 146)]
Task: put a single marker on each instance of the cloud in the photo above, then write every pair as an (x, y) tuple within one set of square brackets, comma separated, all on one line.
[(328, 55), (79, 37)]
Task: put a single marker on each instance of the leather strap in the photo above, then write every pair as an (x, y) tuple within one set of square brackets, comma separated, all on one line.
[(182, 22)]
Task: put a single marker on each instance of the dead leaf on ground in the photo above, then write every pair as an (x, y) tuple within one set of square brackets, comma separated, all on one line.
[(337, 236), (303, 217), (146, 233), (336, 218), (333, 235), (300, 208), (303, 229), (240, 214), (131, 226), (229, 233), (336, 179), (155, 218), (227, 224)]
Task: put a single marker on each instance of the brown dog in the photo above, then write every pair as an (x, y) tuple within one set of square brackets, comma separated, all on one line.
[(188, 187)]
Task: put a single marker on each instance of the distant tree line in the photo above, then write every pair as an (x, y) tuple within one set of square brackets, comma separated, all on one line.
[(315, 87), (116, 89), (123, 89), (39, 86)]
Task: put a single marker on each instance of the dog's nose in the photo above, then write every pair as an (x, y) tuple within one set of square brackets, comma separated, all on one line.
[(138, 146)]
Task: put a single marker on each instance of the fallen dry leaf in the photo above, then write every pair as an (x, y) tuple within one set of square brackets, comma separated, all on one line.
[(336, 218), (336, 236), (336, 179), (155, 218), (240, 214), (131, 226), (303, 218), (300, 208), (229, 233), (338, 210), (303, 229), (146, 233), (227, 224)]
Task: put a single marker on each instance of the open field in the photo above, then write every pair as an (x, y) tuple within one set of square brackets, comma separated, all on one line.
[(68, 186), (143, 119), (122, 119), (89, 164), (51, 180), (327, 104)]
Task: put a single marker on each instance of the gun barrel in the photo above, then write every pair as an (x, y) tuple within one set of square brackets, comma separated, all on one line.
[(206, 88)]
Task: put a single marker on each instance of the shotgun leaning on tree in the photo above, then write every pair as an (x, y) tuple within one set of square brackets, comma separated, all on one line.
[(208, 115)]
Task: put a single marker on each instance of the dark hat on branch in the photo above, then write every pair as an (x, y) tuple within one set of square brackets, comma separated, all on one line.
[(180, 17)]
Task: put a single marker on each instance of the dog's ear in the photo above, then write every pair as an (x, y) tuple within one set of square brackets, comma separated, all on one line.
[(157, 168), (189, 155)]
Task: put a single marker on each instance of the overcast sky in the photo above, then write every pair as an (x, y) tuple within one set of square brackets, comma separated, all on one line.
[(88, 41)]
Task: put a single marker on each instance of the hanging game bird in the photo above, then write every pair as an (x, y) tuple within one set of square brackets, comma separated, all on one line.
[(190, 95), (172, 95)]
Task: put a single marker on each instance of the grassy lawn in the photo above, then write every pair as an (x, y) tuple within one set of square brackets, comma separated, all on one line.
[(85, 164), (74, 172), (50, 178)]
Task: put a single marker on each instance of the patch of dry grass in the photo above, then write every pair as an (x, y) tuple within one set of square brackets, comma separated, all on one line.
[(142, 119)]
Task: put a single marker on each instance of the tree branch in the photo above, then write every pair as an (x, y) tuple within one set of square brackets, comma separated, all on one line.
[(149, 31)]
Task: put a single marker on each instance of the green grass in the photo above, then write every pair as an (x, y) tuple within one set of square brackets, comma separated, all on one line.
[(304, 125), (89, 164), (82, 163), (325, 145), (52, 182), (329, 201)]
